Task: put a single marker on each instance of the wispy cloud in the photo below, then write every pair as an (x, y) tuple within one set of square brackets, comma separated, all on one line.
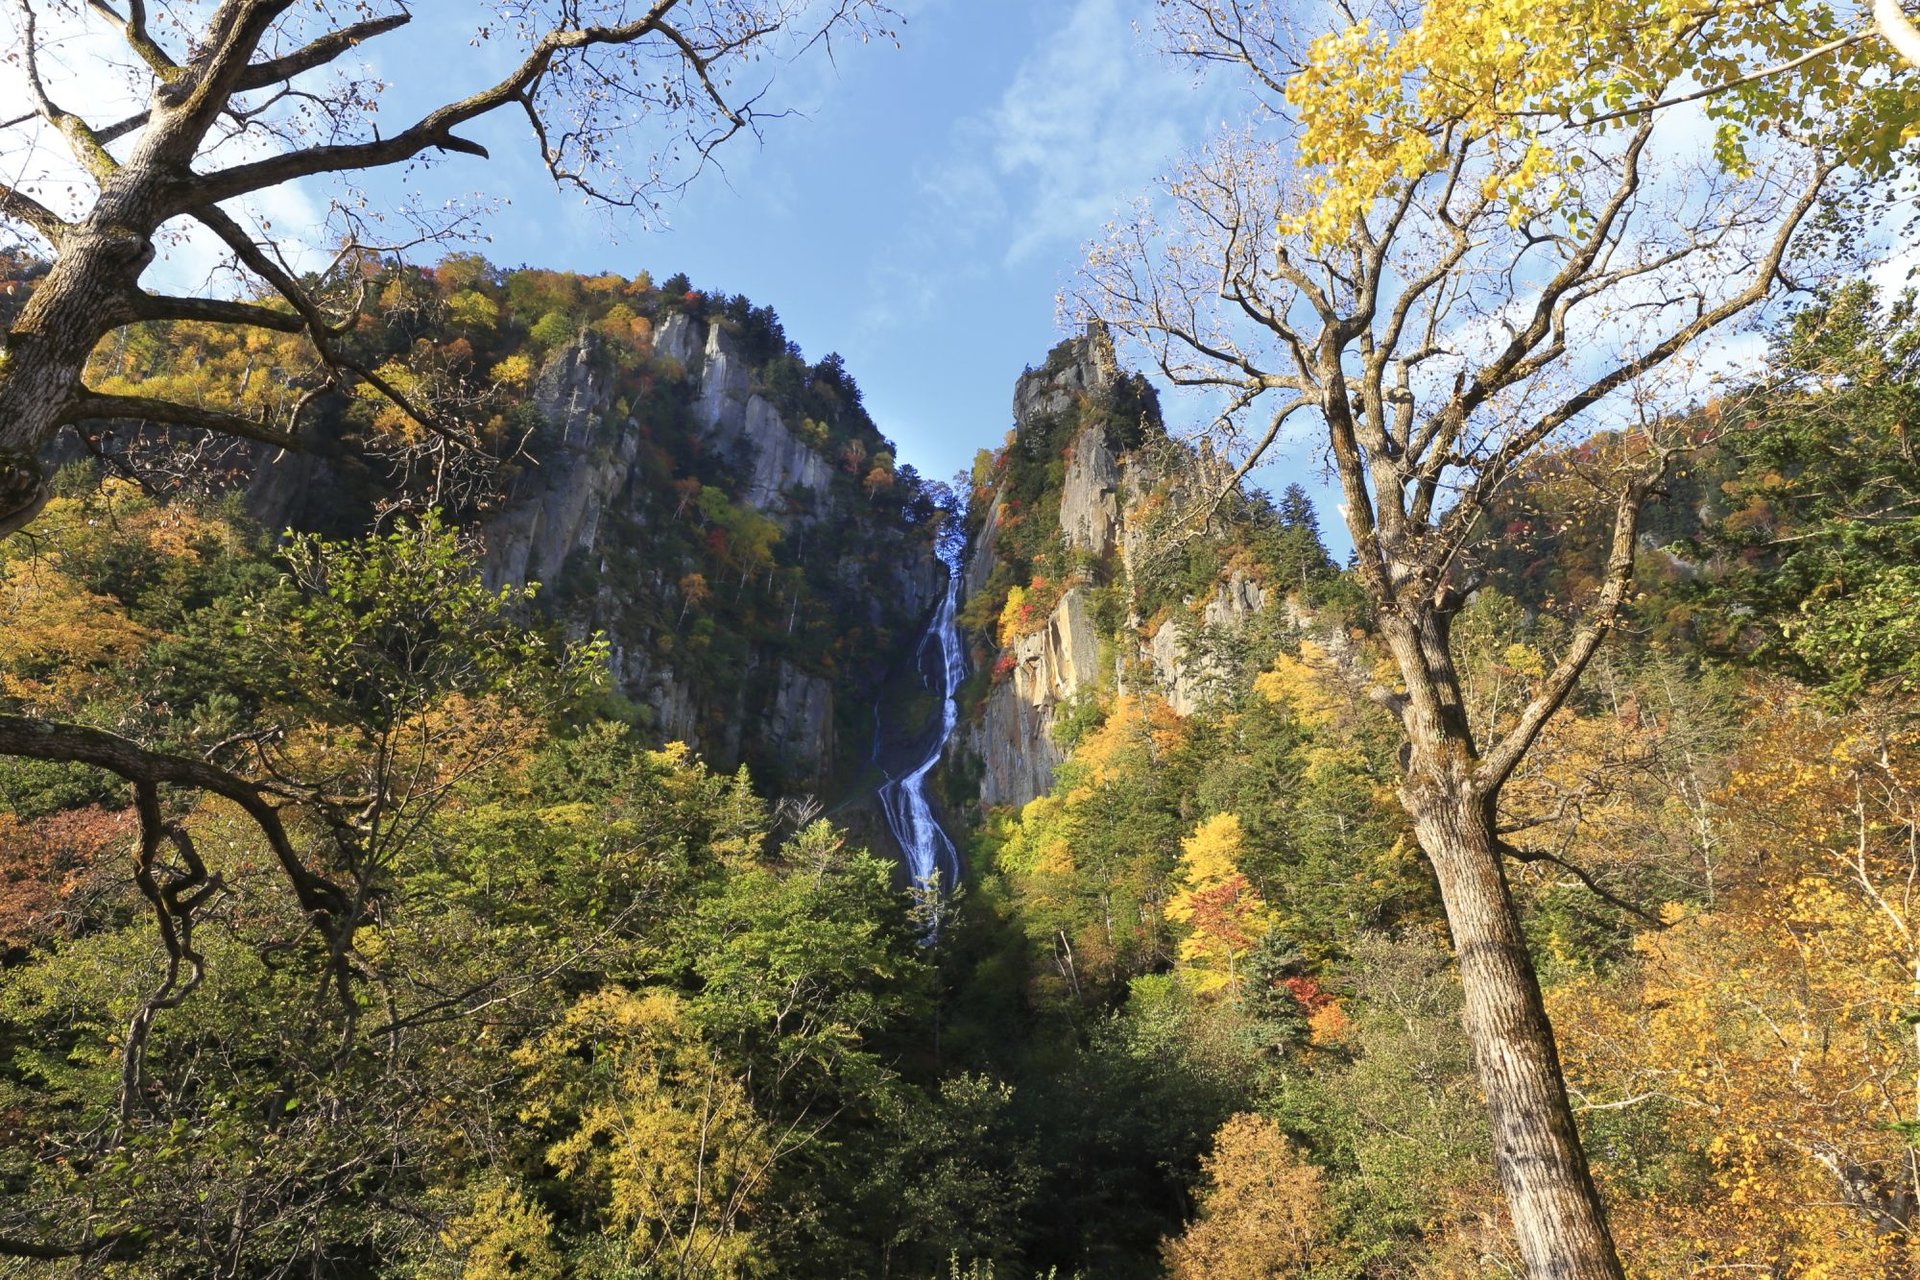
[(1083, 125), (1090, 118)]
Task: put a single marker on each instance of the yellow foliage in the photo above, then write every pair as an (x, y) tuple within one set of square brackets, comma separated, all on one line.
[(1376, 98), (1209, 857), (1224, 914), (665, 1143), (515, 371), (1296, 683), (1767, 1036), (1013, 619), (503, 1236), (473, 308), (60, 641), (1263, 1213), (1135, 724), (388, 416)]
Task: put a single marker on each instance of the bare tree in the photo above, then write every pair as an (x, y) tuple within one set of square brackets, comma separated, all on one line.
[(626, 99), (1465, 320)]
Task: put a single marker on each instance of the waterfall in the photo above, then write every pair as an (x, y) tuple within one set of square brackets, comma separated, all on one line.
[(903, 800)]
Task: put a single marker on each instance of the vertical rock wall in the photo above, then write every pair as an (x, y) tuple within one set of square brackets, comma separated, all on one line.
[(584, 505), (1101, 501)]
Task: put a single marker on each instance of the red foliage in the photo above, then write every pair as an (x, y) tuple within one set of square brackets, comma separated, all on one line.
[(50, 866), (1307, 993), (1003, 668), (1219, 912)]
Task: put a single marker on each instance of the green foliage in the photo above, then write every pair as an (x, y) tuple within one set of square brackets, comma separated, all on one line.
[(1821, 524), (579, 963)]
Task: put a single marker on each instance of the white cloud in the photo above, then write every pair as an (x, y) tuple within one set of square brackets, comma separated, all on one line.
[(1086, 122), (1083, 125)]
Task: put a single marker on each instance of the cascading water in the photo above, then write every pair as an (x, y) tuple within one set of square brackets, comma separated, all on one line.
[(903, 800)]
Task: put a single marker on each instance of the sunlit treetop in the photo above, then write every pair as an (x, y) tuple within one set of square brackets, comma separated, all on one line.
[(1391, 92)]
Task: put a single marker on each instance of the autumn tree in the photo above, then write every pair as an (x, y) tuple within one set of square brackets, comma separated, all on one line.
[(1754, 1068), (625, 102), (1222, 912), (1262, 1214), (1453, 237)]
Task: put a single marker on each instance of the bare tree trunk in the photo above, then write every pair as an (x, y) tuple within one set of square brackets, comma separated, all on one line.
[(1897, 29), (86, 294), (1558, 1220)]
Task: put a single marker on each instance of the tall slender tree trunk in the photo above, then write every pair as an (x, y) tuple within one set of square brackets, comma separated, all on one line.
[(1558, 1220)]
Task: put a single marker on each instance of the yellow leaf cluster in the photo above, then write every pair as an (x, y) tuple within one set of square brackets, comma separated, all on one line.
[(61, 642), (1768, 1036), (1263, 1212), (503, 1236), (1297, 683), (665, 1143), (1224, 914)]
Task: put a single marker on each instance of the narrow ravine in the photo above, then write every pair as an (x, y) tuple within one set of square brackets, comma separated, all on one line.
[(928, 849)]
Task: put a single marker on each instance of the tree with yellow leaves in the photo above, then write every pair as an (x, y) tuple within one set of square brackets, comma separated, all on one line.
[(1760, 1067), (1452, 238), (1262, 1214), (1224, 915), (653, 1133)]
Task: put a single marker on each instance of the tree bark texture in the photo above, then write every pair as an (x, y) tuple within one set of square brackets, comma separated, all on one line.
[(1559, 1222)]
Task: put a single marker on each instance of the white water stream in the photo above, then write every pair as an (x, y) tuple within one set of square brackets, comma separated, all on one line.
[(903, 800)]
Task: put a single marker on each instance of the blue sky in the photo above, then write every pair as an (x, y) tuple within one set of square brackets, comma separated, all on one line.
[(919, 217), (918, 212)]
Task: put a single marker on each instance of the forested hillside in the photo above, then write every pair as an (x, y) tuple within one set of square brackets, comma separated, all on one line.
[(580, 1004), (1398, 760), (723, 513)]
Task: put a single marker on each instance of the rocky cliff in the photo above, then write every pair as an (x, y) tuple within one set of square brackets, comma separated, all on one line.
[(1083, 607), (825, 586)]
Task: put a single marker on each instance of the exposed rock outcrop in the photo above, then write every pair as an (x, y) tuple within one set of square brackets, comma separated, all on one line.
[(1103, 498), (588, 503), (557, 511), (1090, 502), (1014, 738), (1185, 674)]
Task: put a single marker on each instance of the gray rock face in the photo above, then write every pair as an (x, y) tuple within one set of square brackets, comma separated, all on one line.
[(581, 498), (800, 720), (559, 511), (1013, 736), (980, 556), (782, 462), (1087, 364), (721, 407), (733, 417), (1014, 739), (679, 339), (1186, 678), (1090, 500)]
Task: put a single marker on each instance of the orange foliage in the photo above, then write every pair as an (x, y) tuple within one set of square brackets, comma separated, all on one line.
[(50, 866), (1263, 1214), (1766, 1048)]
